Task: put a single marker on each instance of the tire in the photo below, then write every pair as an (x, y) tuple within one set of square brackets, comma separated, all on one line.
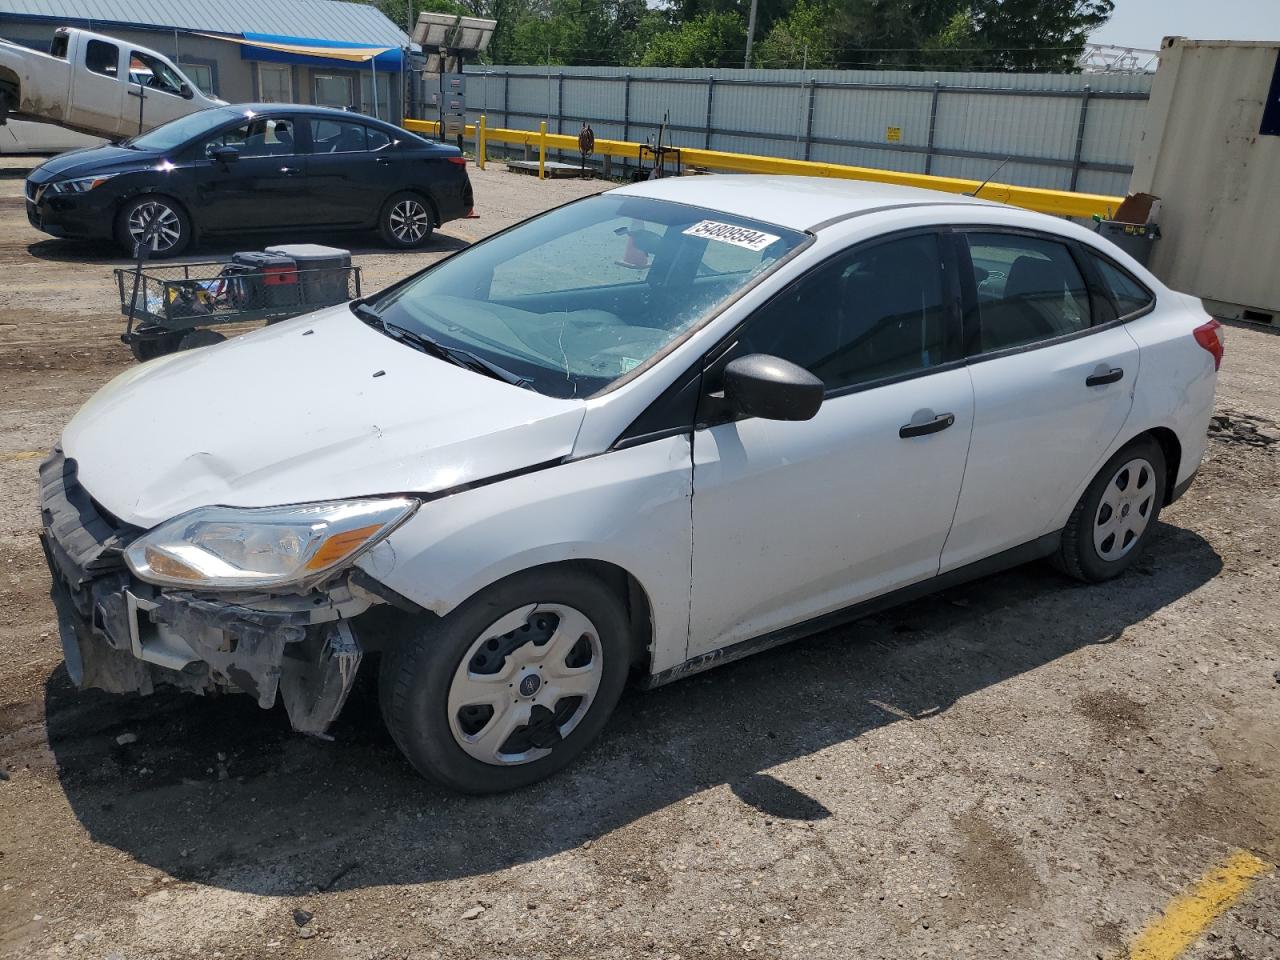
[(406, 221), (151, 347), (1111, 525), (200, 338), (430, 681), (175, 233)]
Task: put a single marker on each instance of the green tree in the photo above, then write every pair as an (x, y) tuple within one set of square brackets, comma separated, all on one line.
[(805, 37), (709, 40)]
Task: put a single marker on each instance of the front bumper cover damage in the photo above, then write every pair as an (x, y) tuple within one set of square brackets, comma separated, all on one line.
[(122, 635)]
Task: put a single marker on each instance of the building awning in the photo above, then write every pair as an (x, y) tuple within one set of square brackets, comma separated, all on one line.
[(270, 48)]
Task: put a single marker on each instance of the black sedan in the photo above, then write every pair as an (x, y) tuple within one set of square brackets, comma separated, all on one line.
[(252, 168)]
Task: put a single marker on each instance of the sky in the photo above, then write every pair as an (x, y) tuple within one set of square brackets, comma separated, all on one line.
[(1142, 23)]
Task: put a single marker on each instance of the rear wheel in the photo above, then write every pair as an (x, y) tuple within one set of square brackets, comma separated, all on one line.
[(159, 222), (1110, 526), (406, 221), (510, 687)]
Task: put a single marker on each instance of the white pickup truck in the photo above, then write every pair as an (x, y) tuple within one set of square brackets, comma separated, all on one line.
[(95, 84)]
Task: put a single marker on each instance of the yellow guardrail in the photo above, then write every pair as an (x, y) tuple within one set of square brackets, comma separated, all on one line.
[(1062, 203)]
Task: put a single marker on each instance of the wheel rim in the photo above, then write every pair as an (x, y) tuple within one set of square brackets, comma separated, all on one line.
[(525, 684), (168, 227), (1125, 510), (409, 221)]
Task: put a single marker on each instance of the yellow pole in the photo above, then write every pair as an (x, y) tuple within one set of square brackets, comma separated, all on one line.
[(480, 143), (542, 149)]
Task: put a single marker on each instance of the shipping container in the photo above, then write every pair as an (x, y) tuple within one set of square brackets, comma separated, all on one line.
[(1210, 150)]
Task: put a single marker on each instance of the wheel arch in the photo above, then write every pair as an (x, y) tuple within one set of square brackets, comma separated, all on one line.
[(1171, 447)]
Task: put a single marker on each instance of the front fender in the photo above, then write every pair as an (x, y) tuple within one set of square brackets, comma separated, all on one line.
[(629, 508)]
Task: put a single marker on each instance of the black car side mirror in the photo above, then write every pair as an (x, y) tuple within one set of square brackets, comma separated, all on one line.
[(772, 388), (185, 92), (225, 154)]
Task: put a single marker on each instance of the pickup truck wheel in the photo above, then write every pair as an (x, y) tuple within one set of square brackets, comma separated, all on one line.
[(511, 686), (172, 226), (406, 221), (1110, 526)]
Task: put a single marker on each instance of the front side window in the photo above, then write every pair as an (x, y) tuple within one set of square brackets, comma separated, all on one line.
[(872, 313), (102, 57), (337, 136), (1130, 296), (258, 137), (1029, 290), (153, 73), (580, 296)]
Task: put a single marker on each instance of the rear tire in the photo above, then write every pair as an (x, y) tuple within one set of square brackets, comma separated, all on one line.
[(548, 640), (174, 226), (406, 221), (1111, 525)]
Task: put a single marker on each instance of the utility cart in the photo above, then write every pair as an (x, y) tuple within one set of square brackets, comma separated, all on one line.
[(177, 307)]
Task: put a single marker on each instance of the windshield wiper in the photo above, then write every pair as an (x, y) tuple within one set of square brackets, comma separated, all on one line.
[(457, 357)]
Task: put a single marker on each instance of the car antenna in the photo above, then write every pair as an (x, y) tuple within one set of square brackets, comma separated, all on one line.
[(990, 176)]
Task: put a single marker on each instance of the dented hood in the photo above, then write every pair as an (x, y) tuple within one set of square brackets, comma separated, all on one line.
[(318, 408)]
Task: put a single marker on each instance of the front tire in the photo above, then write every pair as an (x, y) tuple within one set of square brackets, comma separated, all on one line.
[(1110, 526), (172, 233), (511, 686), (406, 221)]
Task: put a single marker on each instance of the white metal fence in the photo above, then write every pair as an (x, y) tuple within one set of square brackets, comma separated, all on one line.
[(1063, 131)]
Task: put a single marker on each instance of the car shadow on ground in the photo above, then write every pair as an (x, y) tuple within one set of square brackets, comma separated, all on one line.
[(107, 253), (216, 791)]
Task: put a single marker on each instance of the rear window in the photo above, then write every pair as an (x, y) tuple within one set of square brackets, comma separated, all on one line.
[(102, 57), (1130, 295)]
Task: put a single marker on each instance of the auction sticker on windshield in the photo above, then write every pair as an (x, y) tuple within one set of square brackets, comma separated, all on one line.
[(730, 233)]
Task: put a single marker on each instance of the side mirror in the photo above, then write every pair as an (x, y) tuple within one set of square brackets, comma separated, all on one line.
[(185, 92), (772, 388), (225, 154)]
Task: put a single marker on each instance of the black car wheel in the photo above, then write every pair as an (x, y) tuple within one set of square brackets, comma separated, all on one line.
[(407, 221), (159, 221)]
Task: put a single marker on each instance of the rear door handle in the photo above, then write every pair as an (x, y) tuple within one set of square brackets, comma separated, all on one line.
[(1101, 379), (290, 171), (384, 161), (940, 422)]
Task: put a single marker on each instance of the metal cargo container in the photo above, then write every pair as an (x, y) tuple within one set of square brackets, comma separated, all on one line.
[(1210, 150)]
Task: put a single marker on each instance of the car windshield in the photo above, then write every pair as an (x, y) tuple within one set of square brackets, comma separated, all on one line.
[(577, 297), (177, 132)]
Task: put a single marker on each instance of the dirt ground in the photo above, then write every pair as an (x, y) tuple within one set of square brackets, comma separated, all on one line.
[(1021, 767)]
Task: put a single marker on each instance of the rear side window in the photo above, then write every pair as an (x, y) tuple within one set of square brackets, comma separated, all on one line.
[(1130, 296), (1029, 290), (337, 136), (378, 139), (102, 57)]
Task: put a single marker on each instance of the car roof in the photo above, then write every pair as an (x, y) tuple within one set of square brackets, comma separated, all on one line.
[(801, 203), (304, 109)]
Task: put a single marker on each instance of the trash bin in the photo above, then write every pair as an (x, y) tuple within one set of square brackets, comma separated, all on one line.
[(1135, 239), (323, 271)]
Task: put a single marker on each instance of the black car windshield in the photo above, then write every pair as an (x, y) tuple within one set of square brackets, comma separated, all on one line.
[(177, 132), (577, 297)]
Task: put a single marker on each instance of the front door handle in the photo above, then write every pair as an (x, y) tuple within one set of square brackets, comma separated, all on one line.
[(1101, 379), (940, 422), (290, 171), (384, 161)]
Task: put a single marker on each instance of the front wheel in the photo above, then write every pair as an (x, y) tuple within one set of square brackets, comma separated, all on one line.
[(1110, 526), (158, 222), (510, 687), (406, 221)]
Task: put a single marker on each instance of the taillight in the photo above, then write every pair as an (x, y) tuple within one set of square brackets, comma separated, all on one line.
[(460, 161), (1212, 337)]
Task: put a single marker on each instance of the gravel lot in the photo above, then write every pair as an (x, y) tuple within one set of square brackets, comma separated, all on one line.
[(1021, 767)]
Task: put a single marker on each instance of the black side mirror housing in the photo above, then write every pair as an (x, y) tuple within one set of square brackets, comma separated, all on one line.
[(186, 92), (771, 388), (225, 154)]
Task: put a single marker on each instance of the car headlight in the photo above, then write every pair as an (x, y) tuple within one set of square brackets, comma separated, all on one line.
[(232, 548), (79, 185)]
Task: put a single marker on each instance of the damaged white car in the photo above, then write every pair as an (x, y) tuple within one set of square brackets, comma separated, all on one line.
[(640, 435)]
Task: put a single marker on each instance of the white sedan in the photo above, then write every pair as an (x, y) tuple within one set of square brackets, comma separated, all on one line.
[(642, 434)]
